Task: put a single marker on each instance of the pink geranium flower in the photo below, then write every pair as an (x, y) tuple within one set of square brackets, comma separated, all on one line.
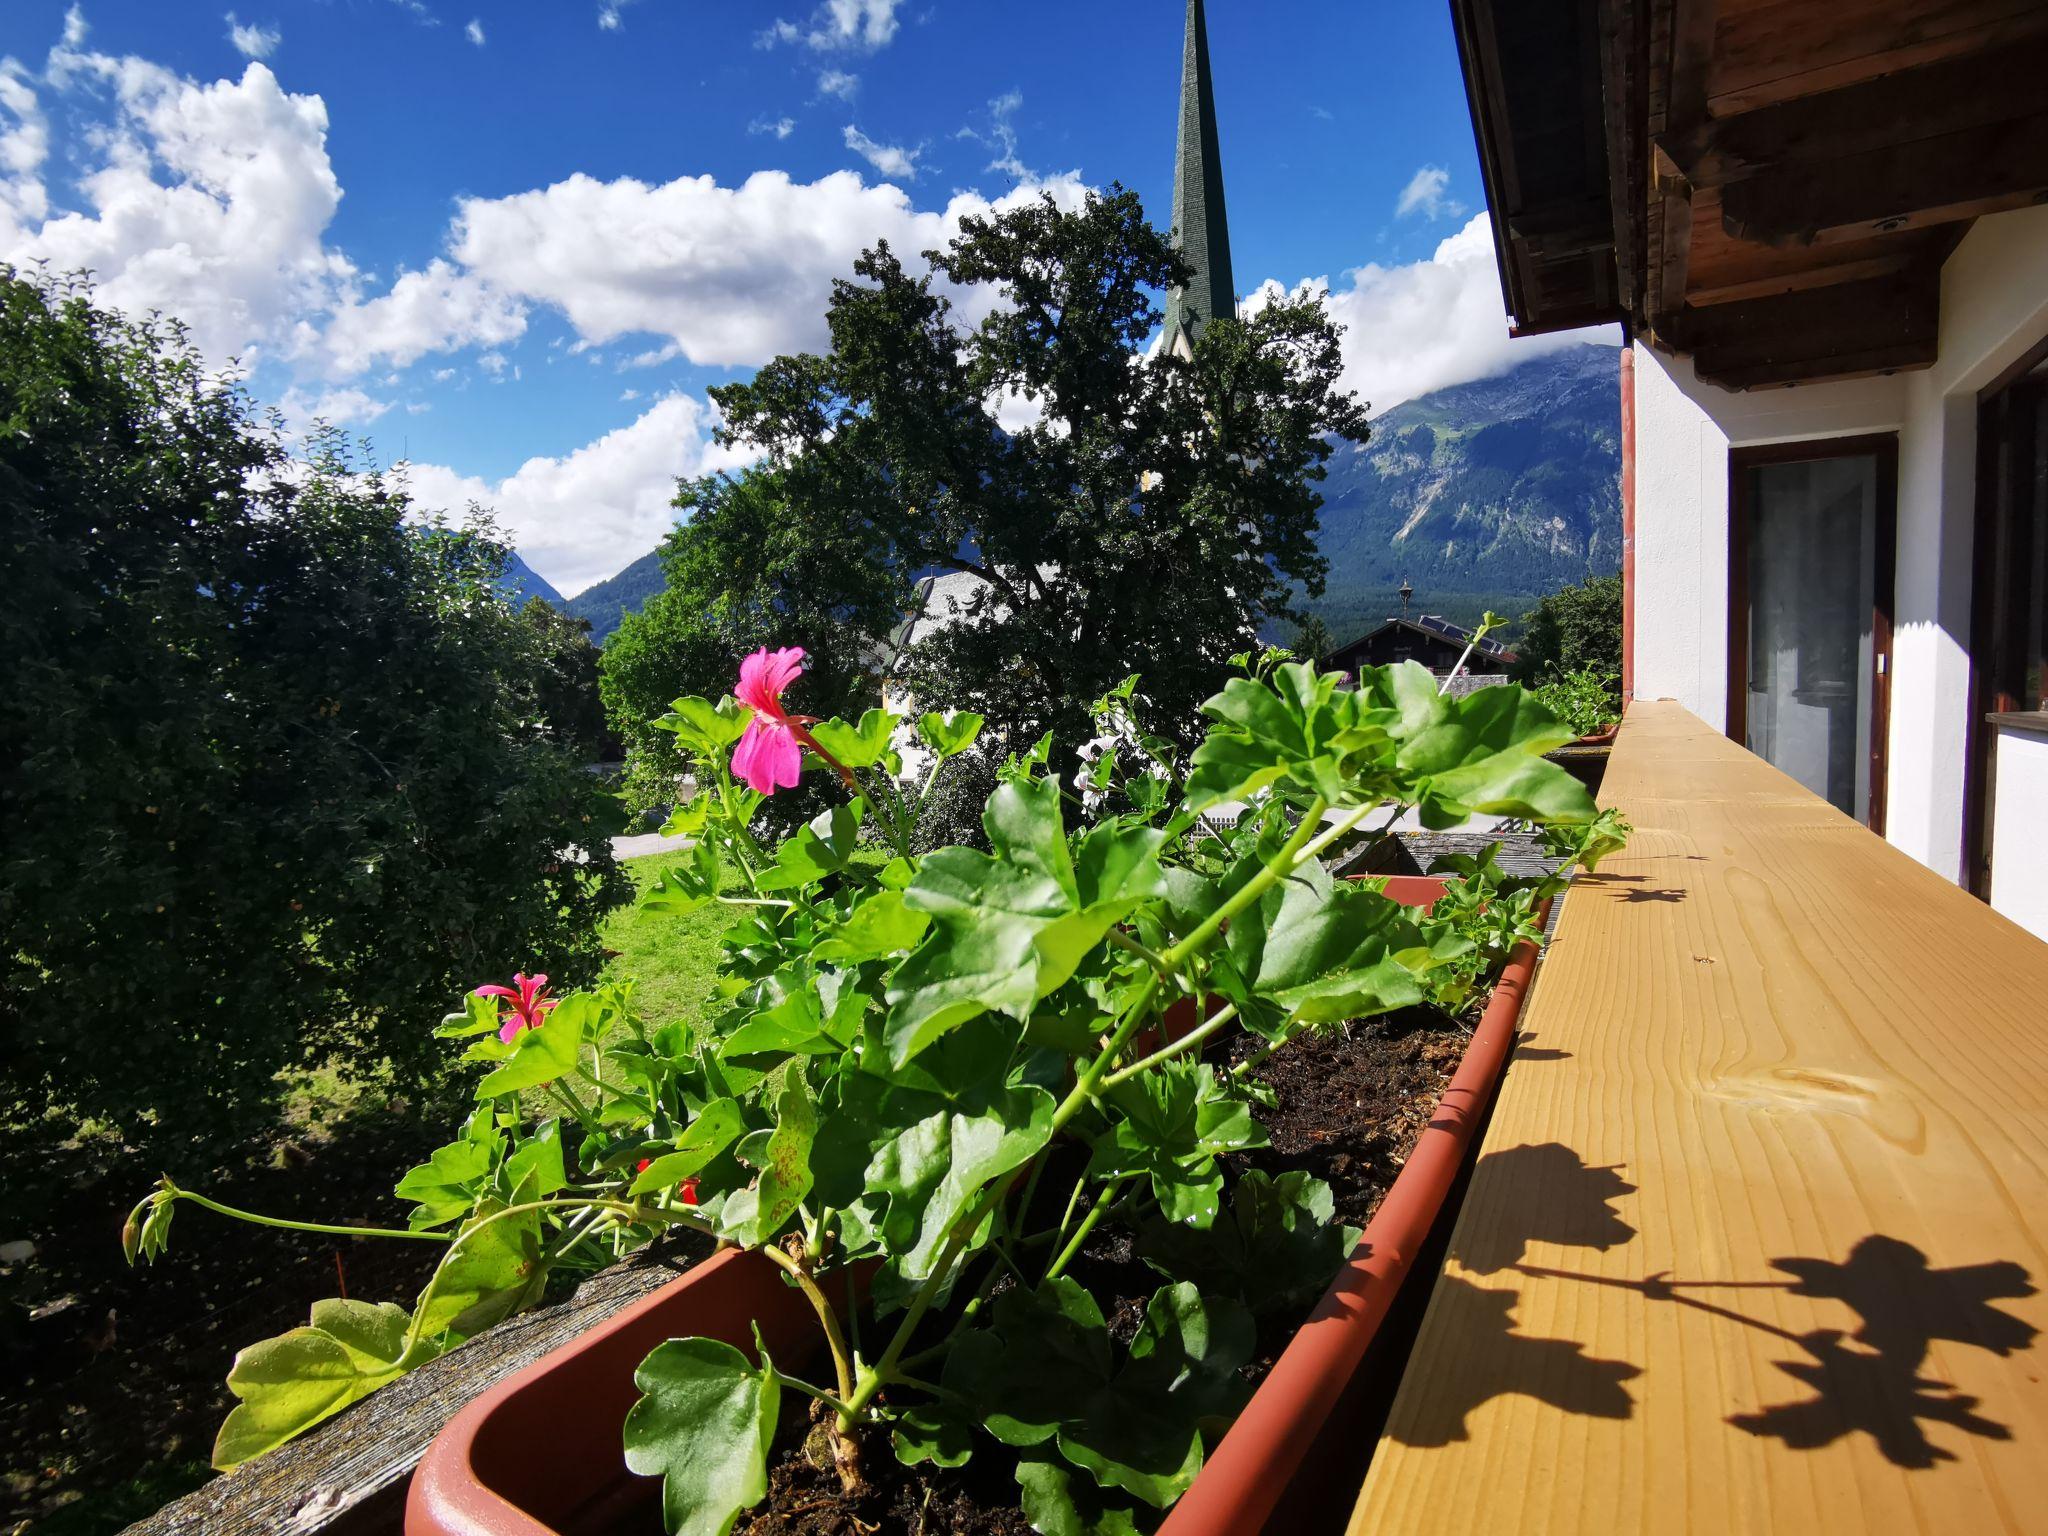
[(530, 1002), (768, 757)]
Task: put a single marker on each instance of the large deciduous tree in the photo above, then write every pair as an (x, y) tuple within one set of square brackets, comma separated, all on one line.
[(1126, 513), (280, 775)]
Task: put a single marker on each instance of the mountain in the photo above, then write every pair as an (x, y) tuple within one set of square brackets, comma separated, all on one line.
[(522, 581), (1486, 494), (1482, 495), (609, 601)]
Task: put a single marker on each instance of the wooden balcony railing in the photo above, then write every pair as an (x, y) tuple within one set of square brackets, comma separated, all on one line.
[(1757, 1236)]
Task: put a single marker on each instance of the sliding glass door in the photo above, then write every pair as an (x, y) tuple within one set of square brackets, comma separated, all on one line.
[(1810, 567)]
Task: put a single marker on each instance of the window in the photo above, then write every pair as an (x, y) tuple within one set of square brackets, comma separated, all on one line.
[(2009, 606), (1810, 576)]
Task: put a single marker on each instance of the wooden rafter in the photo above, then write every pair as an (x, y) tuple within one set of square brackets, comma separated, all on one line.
[(1950, 96), (1961, 175)]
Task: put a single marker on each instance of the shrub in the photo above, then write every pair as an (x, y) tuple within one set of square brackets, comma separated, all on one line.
[(280, 766)]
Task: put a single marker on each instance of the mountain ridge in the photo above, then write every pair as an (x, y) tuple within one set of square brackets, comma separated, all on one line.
[(1483, 494)]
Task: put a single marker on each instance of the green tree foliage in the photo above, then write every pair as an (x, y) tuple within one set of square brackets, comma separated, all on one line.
[(1572, 628), (1152, 517), (281, 772), (569, 700)]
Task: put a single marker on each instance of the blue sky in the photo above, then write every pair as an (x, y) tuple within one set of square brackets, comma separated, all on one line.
[(515, 242)]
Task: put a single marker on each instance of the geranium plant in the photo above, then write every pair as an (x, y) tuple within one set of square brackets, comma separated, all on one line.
[(923, 1083)]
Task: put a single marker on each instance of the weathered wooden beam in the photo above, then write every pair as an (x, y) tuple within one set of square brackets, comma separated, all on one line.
[(1687, 31), (1804, 279), (1905, 186), (1563, 229), (1621, 115), (1880, 324), (349, 1476), (1949, 96)]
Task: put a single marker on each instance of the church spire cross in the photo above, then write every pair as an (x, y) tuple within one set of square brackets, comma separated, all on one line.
[(1201, 231)]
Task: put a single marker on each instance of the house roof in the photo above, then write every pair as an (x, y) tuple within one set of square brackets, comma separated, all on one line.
[(1436, 628), (1769, 189)]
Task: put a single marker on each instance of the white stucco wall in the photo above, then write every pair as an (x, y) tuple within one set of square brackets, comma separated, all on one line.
[(2019, 868), (1994, 305)]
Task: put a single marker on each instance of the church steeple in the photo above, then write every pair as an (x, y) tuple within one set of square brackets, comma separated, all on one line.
[(1200, 230)]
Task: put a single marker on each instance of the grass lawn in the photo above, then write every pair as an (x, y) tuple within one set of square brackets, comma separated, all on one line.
[(674, 959)]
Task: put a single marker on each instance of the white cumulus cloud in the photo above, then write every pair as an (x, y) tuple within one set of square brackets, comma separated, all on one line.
[(1429, 324), (438, 309), (588, 514), (837, 83), (208, 202), (475, 31), (890, 159), (731, 276), (253, 41), (337, 407)]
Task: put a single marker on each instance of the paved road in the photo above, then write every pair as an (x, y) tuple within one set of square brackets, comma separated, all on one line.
[(647, 842)]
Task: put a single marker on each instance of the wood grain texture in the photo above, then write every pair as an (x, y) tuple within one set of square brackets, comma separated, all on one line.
[(348, 1477), (1758, 1234)]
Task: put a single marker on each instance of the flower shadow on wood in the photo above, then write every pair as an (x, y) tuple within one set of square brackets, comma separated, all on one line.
[(1571, 1204), (1904, 1306), (1555, 1371), (1870, 1380)]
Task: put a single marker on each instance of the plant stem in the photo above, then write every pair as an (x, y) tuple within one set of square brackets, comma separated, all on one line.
[(615, 1091), (1192, 1038), (568, 1097), (1088, 1224), (842, 1361), (838, 1405), (311, 1226), (1249, 893), (1143, 951)]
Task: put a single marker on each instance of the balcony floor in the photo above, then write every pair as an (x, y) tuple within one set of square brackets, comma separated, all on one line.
[(1758, 1233)]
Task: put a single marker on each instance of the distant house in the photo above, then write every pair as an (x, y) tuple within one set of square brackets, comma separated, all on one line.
[(1435, 642)]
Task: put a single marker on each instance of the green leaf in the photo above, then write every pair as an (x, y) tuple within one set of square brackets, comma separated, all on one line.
[(1480, 753), (1057, 1503), (704, 1424), (717, 1126), (1010, 927), (288, 1384), (933, 1171), (860, 746), (479, 1016), (788, 1020), (949, 736), (490, 1271), (1046, 1370), (537, 1168), (880, 924), (936, 1433), (704, 728), (545, 1053), (752, 1217), (448, 1183), (1174, 1122), (819, 849), (1274, 1248), (686, 886), (1318, 951)]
